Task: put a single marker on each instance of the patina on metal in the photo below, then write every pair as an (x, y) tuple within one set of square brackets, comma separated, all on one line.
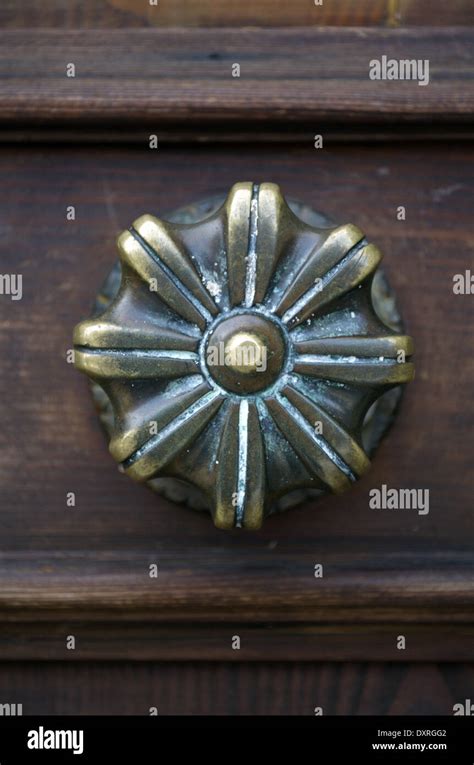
[(245, 354)]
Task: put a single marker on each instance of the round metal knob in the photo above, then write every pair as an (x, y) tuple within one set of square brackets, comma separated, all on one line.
[(245, 355)]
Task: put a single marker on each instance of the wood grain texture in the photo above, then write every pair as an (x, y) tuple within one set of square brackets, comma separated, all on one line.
[(143, 640), (433, 13), (194, 688), (91, 561), (211, 584), (161, 78), (211, 13)]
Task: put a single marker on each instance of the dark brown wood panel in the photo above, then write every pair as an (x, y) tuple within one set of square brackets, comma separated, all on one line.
[(219, 688), (160, 78), (68, 14), (433, 12), (142, 640), (61, 563)]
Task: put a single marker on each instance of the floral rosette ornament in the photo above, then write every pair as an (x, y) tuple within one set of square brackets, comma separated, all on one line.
[(244, 358)]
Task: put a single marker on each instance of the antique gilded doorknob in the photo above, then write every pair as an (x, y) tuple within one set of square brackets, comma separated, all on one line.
[(245, 354)]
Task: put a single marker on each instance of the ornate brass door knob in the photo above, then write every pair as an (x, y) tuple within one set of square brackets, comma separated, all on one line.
[(239, 353)]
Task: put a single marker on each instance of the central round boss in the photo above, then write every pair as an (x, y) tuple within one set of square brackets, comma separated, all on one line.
[(245, 353)]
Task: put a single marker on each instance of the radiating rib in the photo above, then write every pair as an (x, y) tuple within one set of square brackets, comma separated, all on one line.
[(275, 228), (258, 228), (238, 208), (355, 370), (137, 425), (167, 269), (325, 256), (120, 363), (251, 270), (333, 433), (240, 485), (159, 450), (314, 451), (158, 235), (105, 333), (388, 346), (349, 273), (358, 360), (249, 512)]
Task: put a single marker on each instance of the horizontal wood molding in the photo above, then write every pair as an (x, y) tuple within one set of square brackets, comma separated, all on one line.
[(136, 13), (218, 588), (115, 611), (162, 79), (207, 13)]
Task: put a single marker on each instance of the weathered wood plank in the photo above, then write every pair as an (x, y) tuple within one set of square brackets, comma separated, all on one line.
[(157, 78), (86, 14)]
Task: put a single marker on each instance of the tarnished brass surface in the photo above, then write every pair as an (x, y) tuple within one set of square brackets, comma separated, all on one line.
[(241, 355), (245, 353)]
